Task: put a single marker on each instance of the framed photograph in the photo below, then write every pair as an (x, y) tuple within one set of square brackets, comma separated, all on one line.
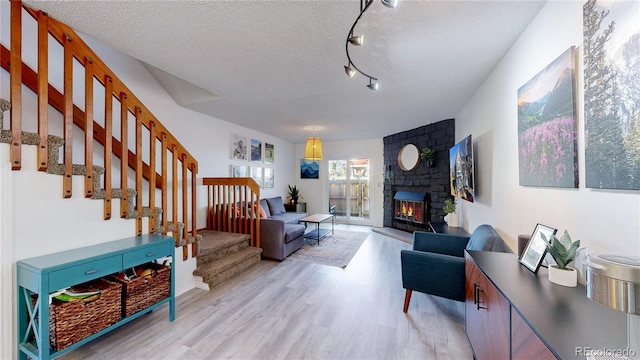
[(238, 171), (256, 150), (268, 178), (239, 148), (256, 174), (536, 247), (269, 153)]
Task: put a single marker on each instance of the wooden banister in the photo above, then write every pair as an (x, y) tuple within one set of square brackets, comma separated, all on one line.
[(232, 205), (161, 141)]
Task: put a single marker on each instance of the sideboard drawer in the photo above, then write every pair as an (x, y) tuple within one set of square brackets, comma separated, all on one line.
[(84, 272), (147, 254)]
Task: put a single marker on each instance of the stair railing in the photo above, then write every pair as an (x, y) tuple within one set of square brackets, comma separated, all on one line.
[(233, 206), (162, 147)]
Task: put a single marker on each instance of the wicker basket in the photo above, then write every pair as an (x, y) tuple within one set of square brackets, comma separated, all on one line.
[(142, 292), (70, 322)]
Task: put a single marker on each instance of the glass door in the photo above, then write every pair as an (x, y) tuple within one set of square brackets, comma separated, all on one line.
[(349, 190)]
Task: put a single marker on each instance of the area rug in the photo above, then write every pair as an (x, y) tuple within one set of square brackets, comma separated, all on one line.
[(334, 250)]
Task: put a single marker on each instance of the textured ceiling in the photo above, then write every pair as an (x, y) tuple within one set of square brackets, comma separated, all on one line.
[(277, 66)]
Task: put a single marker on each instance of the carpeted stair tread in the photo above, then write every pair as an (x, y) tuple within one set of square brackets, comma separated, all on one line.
[(218, 271), (213, 241)]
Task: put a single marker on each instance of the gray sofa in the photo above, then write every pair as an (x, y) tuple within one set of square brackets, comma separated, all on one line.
[(280, 233)]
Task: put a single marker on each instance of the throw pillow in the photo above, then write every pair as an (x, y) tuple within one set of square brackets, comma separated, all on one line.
[(276, 206)]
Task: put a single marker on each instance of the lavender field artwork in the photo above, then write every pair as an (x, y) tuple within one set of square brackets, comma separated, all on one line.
[(611, 46), (547, 136)]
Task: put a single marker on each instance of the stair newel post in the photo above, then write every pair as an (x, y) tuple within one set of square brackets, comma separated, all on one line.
[(194, 230), (16, 85), (43, 89), (108, 144), (139, 170), (174, 193), (68, 117), (185, 207), (124, 153), (152, 176), (165, 175), (88, 126)]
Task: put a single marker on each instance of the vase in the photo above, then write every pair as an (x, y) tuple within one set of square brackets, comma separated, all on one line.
[(452, 220), (565, 277)]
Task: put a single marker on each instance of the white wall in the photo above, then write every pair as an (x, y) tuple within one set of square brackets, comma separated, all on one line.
[(605, 221), (316, 192)]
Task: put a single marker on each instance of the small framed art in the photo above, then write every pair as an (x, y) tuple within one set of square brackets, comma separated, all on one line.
[(536, 247)]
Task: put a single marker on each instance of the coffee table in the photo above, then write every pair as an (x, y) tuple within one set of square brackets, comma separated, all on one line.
[(317, 219)]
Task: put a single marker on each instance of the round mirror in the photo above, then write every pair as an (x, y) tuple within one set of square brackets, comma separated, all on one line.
[(409, 157)]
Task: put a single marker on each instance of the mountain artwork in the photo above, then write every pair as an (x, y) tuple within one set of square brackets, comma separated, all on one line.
[(547, 134)]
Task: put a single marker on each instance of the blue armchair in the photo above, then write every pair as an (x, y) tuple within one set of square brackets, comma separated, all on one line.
[(436, 264)]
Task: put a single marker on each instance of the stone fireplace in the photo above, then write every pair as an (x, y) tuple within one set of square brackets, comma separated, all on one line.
[(432, 182)]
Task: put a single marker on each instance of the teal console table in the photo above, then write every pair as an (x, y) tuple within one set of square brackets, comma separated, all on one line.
[(48, 273)]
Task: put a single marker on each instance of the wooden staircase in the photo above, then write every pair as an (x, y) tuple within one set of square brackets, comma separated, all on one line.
[(223, 255)]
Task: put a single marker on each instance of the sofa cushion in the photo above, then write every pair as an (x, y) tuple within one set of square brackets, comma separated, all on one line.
[(289, 217), (485, 238), (276, 206), (292, 232), (265, 206)]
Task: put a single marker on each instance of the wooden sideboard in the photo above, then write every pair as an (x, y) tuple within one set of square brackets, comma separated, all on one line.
[(512, 313), (39, 276)]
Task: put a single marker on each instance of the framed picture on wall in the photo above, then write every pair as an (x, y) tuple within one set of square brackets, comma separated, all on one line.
[(269, 153), (256, 150), (238, 171), (268, 178), (256, 174), (309, 169), (239, 147)]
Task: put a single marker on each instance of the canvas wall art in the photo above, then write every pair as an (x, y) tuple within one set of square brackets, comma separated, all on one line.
[(611, 44), (256, 150), (547, 130), (239, 147), (309, 169)]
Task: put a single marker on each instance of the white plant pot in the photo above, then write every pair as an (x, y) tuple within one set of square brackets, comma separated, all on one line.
[(452, 220), (565, 277)]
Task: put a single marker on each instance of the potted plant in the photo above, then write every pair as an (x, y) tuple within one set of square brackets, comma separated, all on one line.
[(428, 155), (294, 194), (563, 251), (450, 209)]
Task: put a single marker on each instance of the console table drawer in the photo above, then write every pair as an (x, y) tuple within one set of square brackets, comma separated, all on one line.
[(147, 254), (84, 272)]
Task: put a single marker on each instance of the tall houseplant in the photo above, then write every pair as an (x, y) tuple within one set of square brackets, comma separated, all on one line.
[(563, 251), (294, 194), (449, 208)]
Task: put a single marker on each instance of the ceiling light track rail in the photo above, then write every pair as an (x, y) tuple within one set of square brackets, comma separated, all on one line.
[(350, 69)]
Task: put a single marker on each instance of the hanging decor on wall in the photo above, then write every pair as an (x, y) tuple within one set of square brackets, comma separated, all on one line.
[(612, 94), (239, 147), (547, 134), (309, 169)]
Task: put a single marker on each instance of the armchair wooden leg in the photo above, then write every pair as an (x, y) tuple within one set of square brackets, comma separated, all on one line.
[(407, 299)]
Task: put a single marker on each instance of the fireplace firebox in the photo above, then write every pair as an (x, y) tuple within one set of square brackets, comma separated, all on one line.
[(411, 206)]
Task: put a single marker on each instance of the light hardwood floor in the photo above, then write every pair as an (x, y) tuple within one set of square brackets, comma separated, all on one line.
[(299, 310)]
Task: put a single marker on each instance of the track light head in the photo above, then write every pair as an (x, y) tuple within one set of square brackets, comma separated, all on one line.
[(357, 40), (389, 3), (349, 71)]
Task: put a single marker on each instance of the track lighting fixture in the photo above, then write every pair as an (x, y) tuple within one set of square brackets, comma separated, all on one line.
[(373, 85), (358, 40)]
